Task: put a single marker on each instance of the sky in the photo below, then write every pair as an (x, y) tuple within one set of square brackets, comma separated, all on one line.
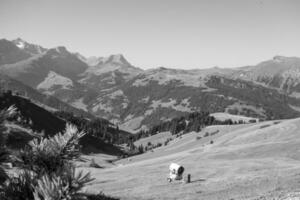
[(151, 33)]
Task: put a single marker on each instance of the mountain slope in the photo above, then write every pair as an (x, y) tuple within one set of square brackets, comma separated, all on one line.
[(281, 72), (32, 121), (49, 67), (48, 102), (158, 97), (111, 71), (35, 69), (254, 161), (32, 49), (10, 53), (133, 98)]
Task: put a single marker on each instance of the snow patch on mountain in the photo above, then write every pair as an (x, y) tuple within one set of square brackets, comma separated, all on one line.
[(33, 49), (20, 44), (54, 79)]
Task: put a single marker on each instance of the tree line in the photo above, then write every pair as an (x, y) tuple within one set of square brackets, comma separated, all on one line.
[(191, 122), (97, 127)]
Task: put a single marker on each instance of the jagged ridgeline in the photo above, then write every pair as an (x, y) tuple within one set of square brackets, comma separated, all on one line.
[(112, 88)]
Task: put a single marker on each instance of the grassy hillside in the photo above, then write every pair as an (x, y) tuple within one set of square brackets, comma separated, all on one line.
[(49, 102), (249, 161)]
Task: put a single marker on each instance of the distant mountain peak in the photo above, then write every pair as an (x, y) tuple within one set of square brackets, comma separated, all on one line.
[(20, 43), (33, 49), (118, 59), (278, 58), (59, 50), (80, 57), (162, 68), (54, 79)]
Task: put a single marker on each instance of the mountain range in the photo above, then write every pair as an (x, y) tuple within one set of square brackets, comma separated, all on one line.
[(112, 88)]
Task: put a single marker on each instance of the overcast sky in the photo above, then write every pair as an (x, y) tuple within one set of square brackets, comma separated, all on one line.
[(152, 33)]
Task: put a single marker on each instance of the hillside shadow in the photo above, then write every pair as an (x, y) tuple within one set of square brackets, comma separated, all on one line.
[(198, 180)]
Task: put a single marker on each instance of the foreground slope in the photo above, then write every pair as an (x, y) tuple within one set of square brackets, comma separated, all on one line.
[(252, 161)]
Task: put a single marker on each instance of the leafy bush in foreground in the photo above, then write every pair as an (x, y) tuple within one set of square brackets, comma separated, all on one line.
[(46, 171), (4, 154)]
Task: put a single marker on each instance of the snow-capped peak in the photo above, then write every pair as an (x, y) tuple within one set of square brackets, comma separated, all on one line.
[(33, 49), (20, 43)]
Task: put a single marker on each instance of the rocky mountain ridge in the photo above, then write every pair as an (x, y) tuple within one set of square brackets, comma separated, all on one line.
[(134, 98)]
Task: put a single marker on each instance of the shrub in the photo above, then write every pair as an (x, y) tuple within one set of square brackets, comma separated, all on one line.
[(141, 149), (198, 137), (4, 153), (48, 171), (215, 132), (49, 154), (62, 186), (264, 126), (206, 134), (252, 121), (20, 187)]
